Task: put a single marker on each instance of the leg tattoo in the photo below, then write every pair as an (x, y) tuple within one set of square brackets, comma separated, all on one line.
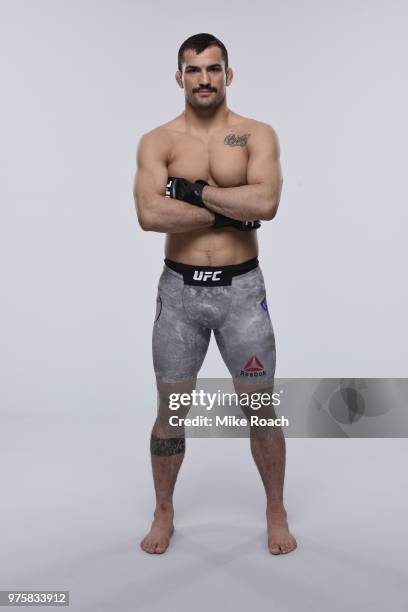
[(165, 447)]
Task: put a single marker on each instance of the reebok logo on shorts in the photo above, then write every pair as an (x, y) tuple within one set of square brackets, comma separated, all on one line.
[(253, 367)]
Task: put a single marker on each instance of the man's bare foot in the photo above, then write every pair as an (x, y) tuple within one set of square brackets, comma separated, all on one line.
[(280, 540), (158, 538)]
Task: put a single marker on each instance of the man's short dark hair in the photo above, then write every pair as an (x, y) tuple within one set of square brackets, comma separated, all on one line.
[(198, 43)]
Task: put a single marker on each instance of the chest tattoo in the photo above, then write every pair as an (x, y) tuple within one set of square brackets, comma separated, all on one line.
[(236, 140)]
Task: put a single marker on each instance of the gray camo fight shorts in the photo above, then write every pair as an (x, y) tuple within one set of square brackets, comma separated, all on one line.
[(192, 301)]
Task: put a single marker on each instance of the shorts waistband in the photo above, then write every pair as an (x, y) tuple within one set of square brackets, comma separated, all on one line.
[(211, 276)]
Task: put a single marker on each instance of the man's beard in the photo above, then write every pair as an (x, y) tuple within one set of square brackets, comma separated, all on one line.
[(205, 102)]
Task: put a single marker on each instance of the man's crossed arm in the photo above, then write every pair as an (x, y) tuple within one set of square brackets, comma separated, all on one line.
[(155, 212), (258, 199)]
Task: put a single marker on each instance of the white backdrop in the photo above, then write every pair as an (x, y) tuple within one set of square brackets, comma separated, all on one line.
[(81, 82)]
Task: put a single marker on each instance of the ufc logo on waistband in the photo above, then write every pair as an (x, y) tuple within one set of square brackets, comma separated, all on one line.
[(168, 189), (200, 275)]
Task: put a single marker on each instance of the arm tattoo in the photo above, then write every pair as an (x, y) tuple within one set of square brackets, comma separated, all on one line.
[(236, 140), (165, 447)]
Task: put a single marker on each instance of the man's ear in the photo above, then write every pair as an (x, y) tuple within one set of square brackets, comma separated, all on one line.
[(230, 76), (179, 79)]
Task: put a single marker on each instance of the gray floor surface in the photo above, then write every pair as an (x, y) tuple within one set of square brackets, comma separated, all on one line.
[(77, 498)]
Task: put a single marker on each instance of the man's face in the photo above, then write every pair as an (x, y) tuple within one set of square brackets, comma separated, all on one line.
[(203, 77)]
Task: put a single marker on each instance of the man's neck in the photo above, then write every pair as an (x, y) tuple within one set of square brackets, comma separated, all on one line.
[(205, 119)]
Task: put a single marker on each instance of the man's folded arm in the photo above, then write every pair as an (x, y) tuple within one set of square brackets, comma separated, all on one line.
[(155, 212), (259, 198)]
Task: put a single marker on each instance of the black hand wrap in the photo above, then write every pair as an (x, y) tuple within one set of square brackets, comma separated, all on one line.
[(186, 191), (242, 226), (182, 189)]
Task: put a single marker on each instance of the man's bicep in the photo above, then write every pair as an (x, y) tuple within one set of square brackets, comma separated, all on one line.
[(151, 174), (264, 165)]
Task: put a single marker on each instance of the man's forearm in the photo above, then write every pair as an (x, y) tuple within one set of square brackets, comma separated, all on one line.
[(244, 203), (173, 216)]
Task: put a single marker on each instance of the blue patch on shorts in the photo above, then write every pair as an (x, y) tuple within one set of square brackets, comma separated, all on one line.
[(264, 304)]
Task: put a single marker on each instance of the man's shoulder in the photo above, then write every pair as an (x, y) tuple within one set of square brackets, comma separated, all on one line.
[(255, 131), (164, 131), (257, 127), (157, 142), (259, 133), (155, 135)]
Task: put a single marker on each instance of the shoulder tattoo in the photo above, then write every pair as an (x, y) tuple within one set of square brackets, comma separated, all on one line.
[(236, 140)]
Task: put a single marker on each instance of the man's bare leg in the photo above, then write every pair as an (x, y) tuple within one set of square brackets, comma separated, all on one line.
[(167, 450), (269, 453), (166, 466)]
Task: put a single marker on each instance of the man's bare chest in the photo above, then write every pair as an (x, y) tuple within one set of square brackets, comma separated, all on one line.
[(221, 159)]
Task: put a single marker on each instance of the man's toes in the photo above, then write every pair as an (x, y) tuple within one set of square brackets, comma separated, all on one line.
[(274, 548), (277, 548), (292, 544), (158, 547), (161, 547), (152, 548), (148, 546), (145, 545), (288, 546)]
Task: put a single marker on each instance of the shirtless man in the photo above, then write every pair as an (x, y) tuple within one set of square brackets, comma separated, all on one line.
[(211, 278)]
